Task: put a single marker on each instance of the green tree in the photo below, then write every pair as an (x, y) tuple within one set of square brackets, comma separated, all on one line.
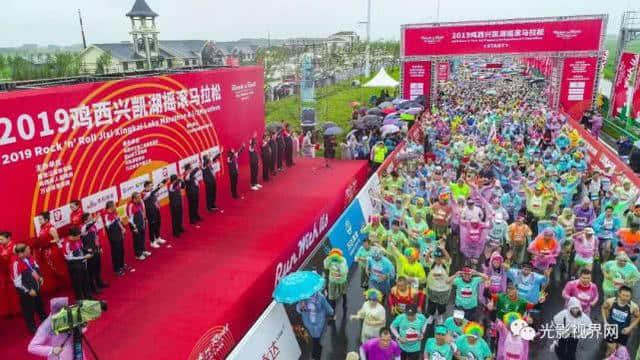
[(104, 63)]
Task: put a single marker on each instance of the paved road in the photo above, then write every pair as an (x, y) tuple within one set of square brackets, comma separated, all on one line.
[(344, 335)]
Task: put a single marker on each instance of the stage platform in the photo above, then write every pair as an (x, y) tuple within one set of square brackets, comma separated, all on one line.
[(214, 282)]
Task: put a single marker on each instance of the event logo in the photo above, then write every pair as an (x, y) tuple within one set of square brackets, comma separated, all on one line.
[(431, 40), (214, 344), (347, 227), (350, 192), (567, 34)]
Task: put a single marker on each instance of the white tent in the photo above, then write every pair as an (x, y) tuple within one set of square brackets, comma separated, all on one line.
[(382, 79)]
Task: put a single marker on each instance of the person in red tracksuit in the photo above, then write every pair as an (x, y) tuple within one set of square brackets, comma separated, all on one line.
[(138, 224), (76, 213)]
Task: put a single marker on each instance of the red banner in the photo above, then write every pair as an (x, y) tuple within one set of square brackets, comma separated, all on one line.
[(635, 101), (576, 87), (100, 141), (416, 79), (620, 91), (600, 156), (443, 71), (541, 35)]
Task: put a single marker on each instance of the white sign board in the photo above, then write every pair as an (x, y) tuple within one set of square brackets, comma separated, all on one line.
[(271, 337), (59, 217), (127, 188), (369, 197), (96, 202), (158, 175)]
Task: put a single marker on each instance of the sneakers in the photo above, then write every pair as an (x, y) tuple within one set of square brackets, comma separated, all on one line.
[(161, 241), (259, 186), (146, 253), (155, 244), (120, 272), (141, 257), (254, 188)]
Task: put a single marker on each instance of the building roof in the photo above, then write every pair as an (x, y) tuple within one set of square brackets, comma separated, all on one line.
[(345, 33), (183, 48), (140, 8), (122, 51)]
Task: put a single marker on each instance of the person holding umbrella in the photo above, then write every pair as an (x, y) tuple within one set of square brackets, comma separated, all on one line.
[(304, 288)]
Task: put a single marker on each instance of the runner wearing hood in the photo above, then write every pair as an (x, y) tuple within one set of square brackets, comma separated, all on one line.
[(572, 325)]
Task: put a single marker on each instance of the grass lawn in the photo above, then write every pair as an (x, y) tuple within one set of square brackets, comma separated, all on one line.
[(611, 42), (332, 103)]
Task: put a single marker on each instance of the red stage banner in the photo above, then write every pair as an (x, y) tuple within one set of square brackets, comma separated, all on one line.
[(100, 141), (620, 91), (443, 71), (576, 87), (543, 35), (635, 101), (416, 79)]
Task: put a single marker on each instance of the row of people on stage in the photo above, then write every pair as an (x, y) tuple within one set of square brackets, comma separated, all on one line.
[(73, 255)]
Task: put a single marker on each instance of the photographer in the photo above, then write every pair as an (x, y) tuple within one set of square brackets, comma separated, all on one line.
[(77, 261), (46, 343), (27, 279)]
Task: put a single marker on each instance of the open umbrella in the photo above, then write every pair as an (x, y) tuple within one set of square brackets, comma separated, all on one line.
[(274, 126), (328, 124), (414, 111), (375, 111), (333, 131), (352, 132), (393, 115), (385, 104), (407, 117), (372, 120), (389, 129), (298, 286), (389, 110), (408, 105), (392, 121), (358, 124)]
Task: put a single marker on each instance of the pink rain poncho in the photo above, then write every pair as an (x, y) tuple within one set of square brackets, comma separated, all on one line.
[(510, 347), (473, 236), (45, 340)]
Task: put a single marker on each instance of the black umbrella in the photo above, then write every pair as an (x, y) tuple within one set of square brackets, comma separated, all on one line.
[(375, 111), (274, 126), (372, 121), (358, 124), (333, 131), (328, 125), (409, 104)]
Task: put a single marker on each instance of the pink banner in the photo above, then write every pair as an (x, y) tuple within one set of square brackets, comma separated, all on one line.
[(541, 35), (576, 87), (635, 101), (443, 72), (619, 94), (416, 79)]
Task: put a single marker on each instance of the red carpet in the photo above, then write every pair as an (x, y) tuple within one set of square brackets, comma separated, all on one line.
[(219, 275)]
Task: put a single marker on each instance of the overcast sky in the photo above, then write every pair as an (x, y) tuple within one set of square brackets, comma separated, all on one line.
[(56, 22)]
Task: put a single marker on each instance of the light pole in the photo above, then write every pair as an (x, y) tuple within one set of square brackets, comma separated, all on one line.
[(367, 65)]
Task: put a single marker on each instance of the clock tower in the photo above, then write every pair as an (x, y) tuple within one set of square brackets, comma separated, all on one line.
[(144, 32)]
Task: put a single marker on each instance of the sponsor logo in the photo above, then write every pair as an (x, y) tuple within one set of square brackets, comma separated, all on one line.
[(305, 244), (215, 344), (431, 40), (567, 34)]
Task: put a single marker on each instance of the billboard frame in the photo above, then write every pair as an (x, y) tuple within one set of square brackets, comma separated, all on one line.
[(560, 55)]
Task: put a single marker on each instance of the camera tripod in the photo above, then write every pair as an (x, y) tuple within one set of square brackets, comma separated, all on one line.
[(78, 338)]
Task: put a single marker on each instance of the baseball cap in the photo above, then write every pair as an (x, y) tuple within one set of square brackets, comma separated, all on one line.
[(411, 310), (440, 330), (589, 230), (458, 314)]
